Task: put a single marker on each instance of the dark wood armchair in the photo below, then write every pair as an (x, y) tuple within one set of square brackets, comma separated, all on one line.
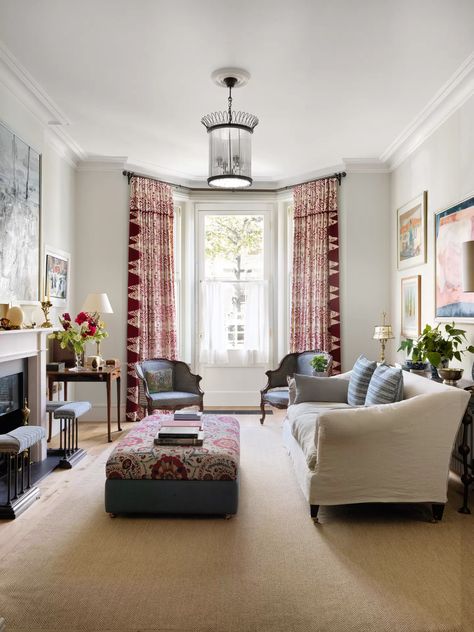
[(275, 392), (185, 390)]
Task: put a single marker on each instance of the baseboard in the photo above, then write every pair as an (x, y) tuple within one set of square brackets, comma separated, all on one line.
[(231, 398), (221, 399)]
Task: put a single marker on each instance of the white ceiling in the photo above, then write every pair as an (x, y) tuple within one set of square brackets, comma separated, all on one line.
[(329, 78)]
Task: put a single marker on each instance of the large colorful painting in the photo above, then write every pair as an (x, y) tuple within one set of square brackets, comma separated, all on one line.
[(453, 226), (411, 233), (410, 300), (19, 219)]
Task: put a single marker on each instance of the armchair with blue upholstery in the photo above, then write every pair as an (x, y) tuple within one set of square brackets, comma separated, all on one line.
[(180, 391), (275, 392)]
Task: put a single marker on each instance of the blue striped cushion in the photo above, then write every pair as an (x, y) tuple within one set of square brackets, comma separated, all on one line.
[(386, 386), (359, 381)]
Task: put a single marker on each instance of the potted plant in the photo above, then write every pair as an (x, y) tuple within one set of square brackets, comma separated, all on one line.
[(439, 348), (319, 363)]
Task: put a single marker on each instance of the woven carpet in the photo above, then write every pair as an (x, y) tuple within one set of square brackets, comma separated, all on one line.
[(66, 565)]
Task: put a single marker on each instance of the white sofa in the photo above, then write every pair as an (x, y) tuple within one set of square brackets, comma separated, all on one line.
[(385, 453)]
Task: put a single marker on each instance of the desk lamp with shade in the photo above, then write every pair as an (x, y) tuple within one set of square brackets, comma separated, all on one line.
[(97, 303), (382, 333)]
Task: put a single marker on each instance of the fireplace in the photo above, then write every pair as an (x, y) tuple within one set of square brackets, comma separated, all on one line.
[(23, 362)]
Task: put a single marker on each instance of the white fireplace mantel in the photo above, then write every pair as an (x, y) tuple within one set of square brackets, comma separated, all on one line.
[(31, 344)]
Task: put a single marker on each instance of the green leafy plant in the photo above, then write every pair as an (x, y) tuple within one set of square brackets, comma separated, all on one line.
[(319, 363), (437, 346)]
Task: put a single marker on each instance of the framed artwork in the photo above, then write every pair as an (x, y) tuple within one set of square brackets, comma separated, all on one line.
[(410, 301), (453, 226), (57, 275), (20, 176), (411, 233)]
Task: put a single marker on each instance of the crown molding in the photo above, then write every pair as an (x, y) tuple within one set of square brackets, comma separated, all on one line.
[(307, 177), (28, 91), (103, 163), (365, 165), (452, 95)]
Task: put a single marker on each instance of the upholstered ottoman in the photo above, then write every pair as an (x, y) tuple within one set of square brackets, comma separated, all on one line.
[(145, 478)]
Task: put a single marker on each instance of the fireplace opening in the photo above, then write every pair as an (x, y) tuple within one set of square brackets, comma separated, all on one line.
[(13, 384)]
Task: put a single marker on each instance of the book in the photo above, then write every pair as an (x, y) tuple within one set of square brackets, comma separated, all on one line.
[(55, 366), (177, 432), (196, 441), (187, 416), (184, 423)]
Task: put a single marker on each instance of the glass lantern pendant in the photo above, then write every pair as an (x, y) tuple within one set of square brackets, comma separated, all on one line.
[(230, 148)]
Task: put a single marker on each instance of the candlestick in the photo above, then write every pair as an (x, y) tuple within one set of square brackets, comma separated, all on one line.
[(46, 306)]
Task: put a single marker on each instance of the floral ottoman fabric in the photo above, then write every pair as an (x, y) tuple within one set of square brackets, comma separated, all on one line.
[(137, 457)]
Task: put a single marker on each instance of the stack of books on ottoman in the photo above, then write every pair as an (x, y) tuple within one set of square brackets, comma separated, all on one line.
[(185, 429)]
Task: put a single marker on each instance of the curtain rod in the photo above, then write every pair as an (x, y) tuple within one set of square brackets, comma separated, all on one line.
[(338, 175)]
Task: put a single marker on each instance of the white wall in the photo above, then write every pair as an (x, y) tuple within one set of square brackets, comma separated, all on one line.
[(58, 176), (444, 166), (364, 262), (101, 265), (101, 237)]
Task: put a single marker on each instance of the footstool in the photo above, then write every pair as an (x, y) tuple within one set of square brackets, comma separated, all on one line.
[(145, 478), (15, 447), (68, 414)]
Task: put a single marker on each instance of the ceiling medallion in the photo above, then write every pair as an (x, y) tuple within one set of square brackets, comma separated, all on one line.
[(230, 137)]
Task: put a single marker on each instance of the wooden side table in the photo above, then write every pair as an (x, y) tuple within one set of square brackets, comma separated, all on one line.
[(107, 375), (465, 449)]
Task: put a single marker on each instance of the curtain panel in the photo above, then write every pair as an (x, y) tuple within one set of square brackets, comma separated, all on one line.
[(151, 329), (315, 316)]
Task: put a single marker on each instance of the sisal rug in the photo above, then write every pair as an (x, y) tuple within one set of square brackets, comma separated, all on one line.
[(66, 565)]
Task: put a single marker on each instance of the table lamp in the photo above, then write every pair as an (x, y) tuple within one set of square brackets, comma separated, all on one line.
[(97, 304), (382, 333)]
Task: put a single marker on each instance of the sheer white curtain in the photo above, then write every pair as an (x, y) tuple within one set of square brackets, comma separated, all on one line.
[(215, 296), (217, 303), (256, 339)]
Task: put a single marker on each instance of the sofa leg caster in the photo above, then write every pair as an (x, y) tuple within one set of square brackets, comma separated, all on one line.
[(228, 516), (313, 509), (112, 515), (437, 510)]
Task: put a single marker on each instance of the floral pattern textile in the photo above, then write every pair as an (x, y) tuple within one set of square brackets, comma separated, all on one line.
[(137, 457), (315, 315), (151, 330)]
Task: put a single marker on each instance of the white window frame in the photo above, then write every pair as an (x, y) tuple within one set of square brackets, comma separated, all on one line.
[(203, 210), (178, 279)]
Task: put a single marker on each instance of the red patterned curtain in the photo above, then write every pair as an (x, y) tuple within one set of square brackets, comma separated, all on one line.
[(315, 317), (151, 331)]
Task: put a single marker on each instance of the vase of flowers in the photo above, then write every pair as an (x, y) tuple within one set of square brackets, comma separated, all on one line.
[(85, 328)]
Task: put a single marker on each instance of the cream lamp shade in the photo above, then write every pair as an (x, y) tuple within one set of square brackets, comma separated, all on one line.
[(383, 332), (98, 303), (468, 266)]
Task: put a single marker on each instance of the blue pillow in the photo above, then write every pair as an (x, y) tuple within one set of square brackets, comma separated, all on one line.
[(386, 386), (359, 381)]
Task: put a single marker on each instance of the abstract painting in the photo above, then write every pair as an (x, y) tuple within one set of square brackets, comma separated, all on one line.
[(19, 219), (56, 278), (410, 299), (411, 233), (453, 226)]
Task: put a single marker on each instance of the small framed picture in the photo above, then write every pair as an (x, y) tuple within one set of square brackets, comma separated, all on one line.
[(56, 277), (411, 232), (410, 301)]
